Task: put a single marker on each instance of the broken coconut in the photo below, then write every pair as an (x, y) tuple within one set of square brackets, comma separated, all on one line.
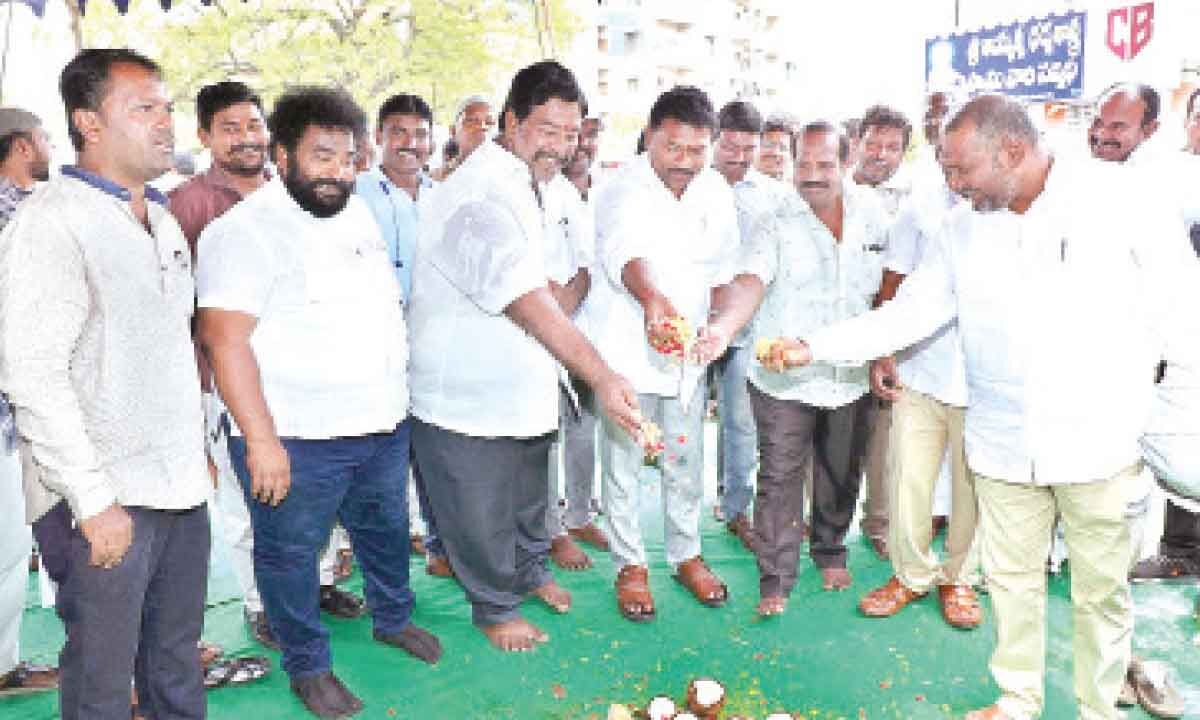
[(705, 698), (661, 708)]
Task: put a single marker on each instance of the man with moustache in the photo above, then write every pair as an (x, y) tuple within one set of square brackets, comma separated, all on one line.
[(394, 189), (24, 162), (1126, 117), (579, 169), (1107, 292), (472, 126), (809, 262), (666, 233), (487, 331), (775, 148), (96, 298), (302, 320)]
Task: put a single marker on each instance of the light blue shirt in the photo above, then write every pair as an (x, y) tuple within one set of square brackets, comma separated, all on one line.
[(396, 213)]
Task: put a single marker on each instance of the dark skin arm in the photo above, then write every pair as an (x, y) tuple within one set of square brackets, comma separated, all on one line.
[(538, 313), (571, 295), (636, 277), (225, 337), (733, 305)]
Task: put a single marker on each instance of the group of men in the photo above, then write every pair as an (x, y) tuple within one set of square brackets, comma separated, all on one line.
[(322, 331)]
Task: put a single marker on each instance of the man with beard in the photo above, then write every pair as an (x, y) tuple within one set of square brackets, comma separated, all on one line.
[(96, 297), (809, 262), (487, 331), (301, 318), (24, 161), (394, 190), (1058, 376), (666, 233)]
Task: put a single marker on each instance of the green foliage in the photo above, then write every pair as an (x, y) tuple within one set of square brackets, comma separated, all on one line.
[(439, 49)]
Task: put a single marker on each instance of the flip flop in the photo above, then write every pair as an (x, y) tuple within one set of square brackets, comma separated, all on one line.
[(236, 671)]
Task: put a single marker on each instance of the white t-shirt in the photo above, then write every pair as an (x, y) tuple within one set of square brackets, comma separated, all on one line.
[(330, 340), (481, 246)]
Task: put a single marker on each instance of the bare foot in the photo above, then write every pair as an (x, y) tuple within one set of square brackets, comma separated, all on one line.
[(772, 605), (514, 635), (567, 555), (592, 535), (835, 578), (555, 596)]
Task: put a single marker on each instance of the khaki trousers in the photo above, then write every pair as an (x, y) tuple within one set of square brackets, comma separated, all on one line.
[(874, 523), (923, 429), (1016, 521)]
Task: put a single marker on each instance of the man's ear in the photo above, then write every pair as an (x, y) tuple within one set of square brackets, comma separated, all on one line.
[(1150, 127), (88, 124)]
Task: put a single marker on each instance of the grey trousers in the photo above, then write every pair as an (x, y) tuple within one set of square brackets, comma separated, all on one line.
[(571, 507), (489, 498), (791, 433), (141, 619)]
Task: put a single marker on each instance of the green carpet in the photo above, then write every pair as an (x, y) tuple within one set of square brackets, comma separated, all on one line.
[(820, 660)]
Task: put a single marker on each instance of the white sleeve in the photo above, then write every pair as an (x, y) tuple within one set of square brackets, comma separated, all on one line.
[(485, 254), (904, 245), (233, 270), (925, 302), (622, 231), (759, 252), (44, 306)]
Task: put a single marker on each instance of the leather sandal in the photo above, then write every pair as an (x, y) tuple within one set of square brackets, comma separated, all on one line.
[(888, 600), (701, 582), (960, 606), (633, 594)]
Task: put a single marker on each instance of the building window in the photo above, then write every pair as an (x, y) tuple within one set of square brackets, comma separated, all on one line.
[(602, 38), (631, 42), (632, 85)]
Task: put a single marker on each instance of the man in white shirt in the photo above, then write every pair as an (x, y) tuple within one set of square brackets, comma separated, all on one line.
[(927, 387), (665, 231), (774, 157), (812, 261), (302, 320), (883, 135), (1059, 376), (96, 299), (739, 132), (487, 330)]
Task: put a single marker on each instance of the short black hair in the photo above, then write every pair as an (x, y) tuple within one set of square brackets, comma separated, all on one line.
[(303, 107), (822, 126), (686, 104), (214, 98), (777, 123), (540, 83), (404, 104), (450, 150), (84, 82), (740, 116), (7, 142), (884, 116), (1145, 93), (1191, 101)]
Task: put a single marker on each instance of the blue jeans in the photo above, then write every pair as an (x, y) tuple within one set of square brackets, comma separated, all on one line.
[(739, 441), (359, 481)]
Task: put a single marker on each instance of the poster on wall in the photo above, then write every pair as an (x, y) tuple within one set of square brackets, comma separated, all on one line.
[(1038, 58)]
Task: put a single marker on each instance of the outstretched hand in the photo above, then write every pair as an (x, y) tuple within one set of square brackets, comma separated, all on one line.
[(618, 400)]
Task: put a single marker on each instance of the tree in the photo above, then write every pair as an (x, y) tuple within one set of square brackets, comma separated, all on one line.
[(439, 49)]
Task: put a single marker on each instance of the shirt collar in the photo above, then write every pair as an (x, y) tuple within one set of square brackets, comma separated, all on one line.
[(8, 187), (376, 173), (110, 187)]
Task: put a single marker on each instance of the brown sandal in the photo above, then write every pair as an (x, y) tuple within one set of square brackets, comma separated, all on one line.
[(889, 599), (633, 594), (701, 582), (960, 606)]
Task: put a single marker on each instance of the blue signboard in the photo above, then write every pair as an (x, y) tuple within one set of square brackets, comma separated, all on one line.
[(1036, 58)]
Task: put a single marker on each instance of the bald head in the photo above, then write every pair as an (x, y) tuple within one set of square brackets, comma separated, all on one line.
[(1126, 116), (994, 117)]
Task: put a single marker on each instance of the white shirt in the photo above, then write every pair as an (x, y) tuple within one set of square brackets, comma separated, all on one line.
[(481, 246), (330, 340), (1063, 313), (570, 229), (689, 244), (757, 195), (96, 353), (813, 280), (933, 366)]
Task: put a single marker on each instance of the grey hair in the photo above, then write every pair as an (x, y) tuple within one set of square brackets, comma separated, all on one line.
[(994, 116)]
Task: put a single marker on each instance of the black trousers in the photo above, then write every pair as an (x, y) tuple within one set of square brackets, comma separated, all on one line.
[(1181, 533), (488, 497)]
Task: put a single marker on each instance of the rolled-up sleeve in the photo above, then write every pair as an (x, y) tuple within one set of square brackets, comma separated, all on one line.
[(485, 254), (44, 306), (759, 252)]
